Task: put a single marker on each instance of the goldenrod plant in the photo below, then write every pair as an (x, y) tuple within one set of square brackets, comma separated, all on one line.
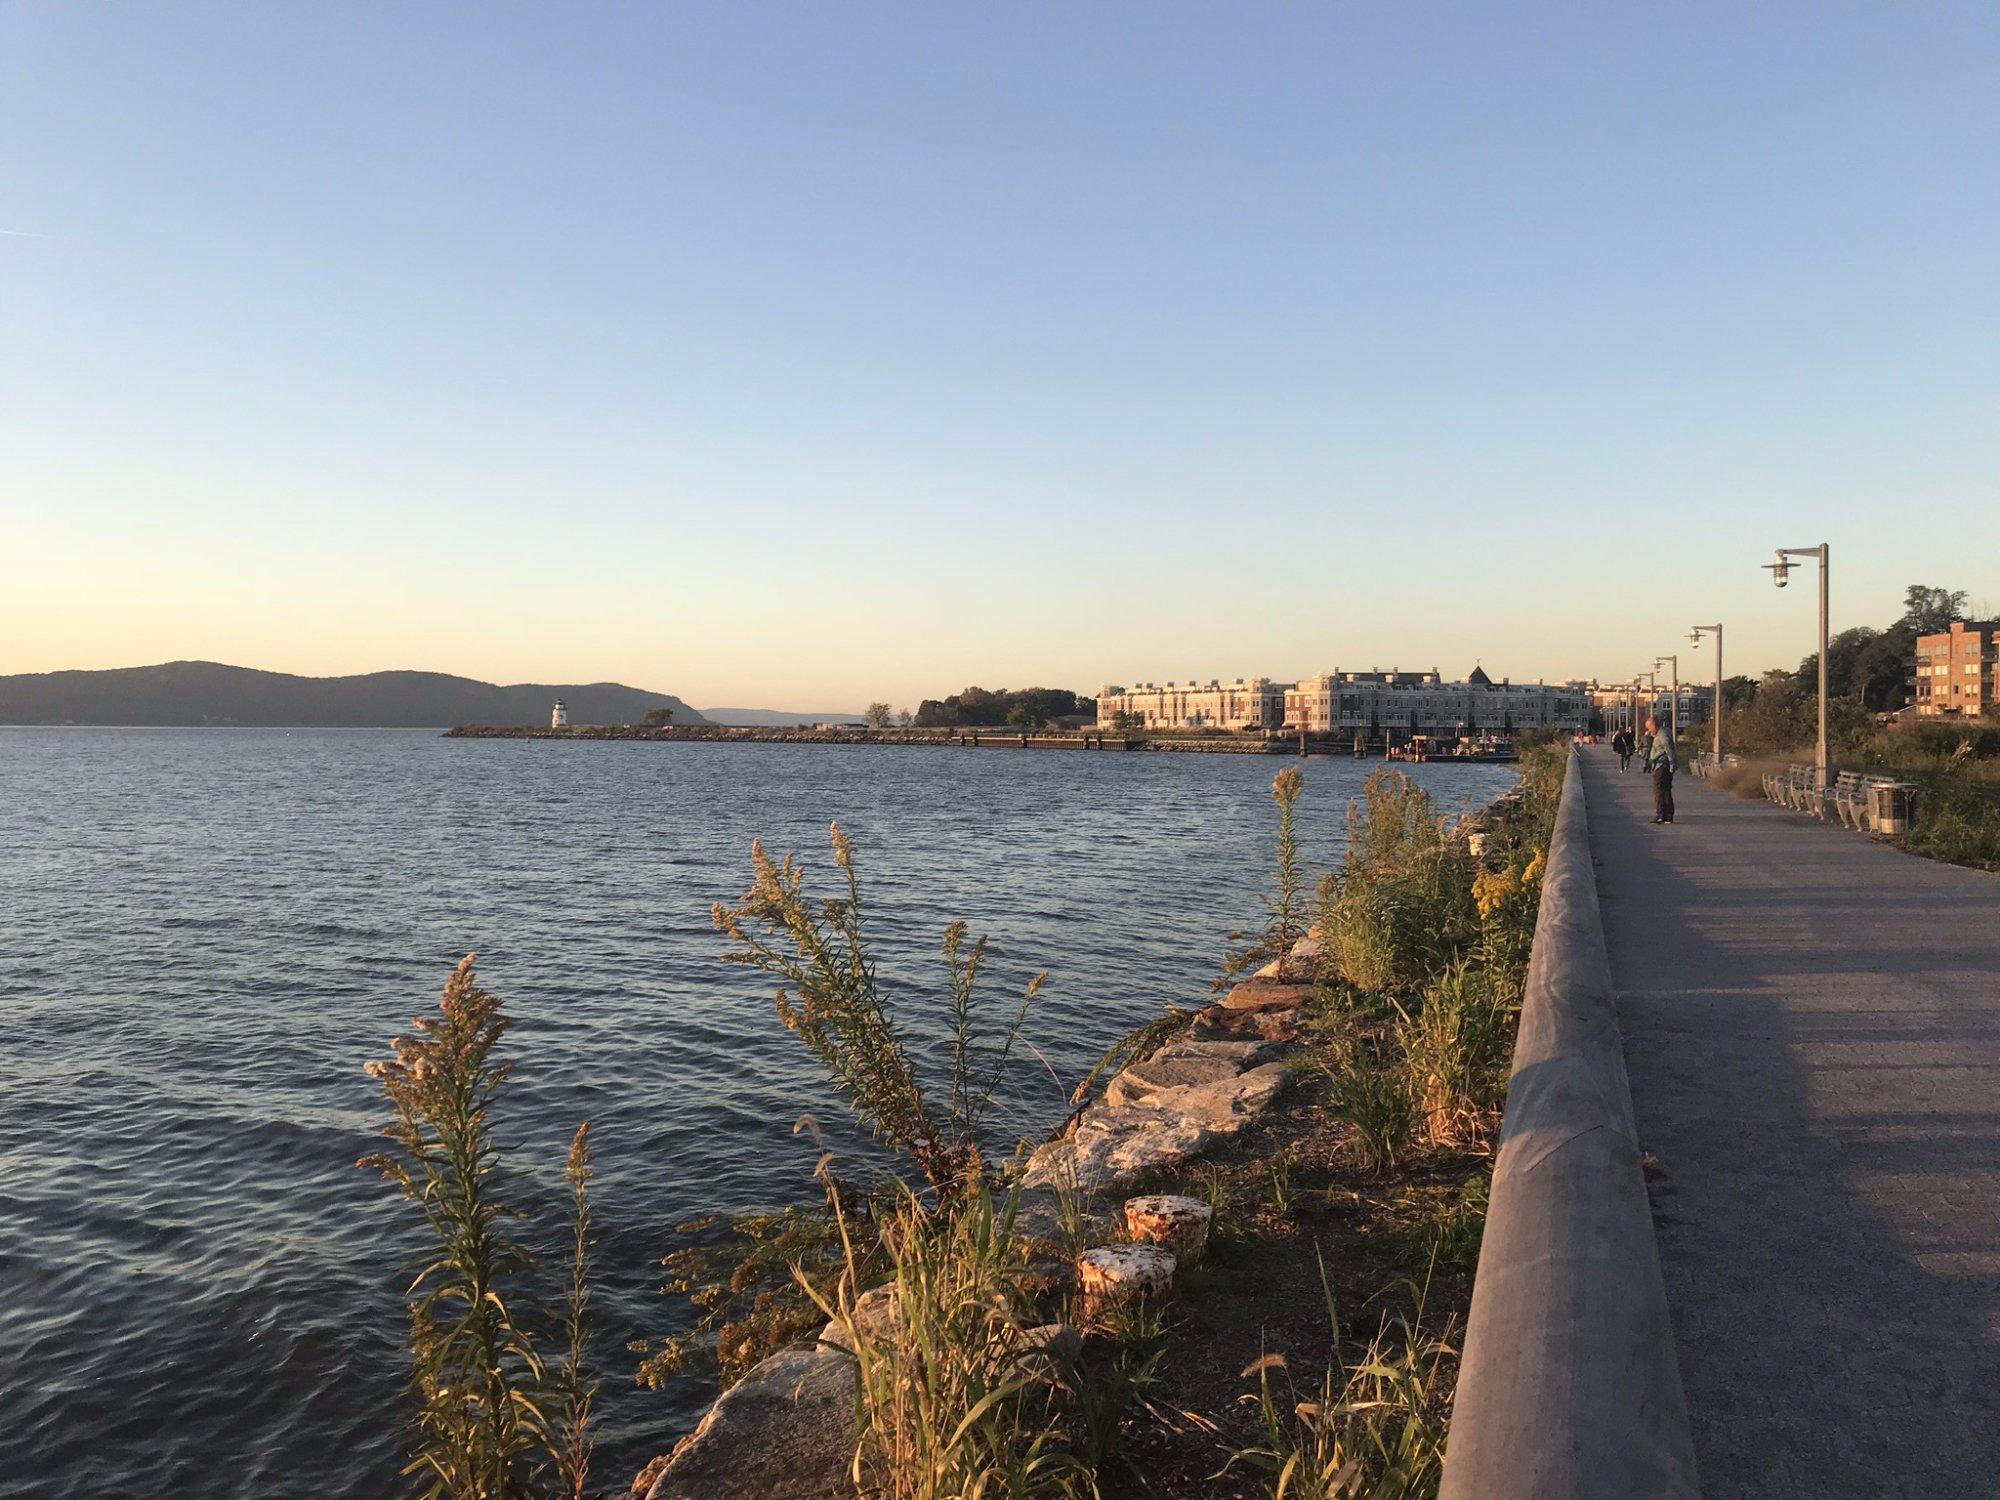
[(493, 1422), (1285, 903), (829, 996), (575, 1388), (1507, 899)]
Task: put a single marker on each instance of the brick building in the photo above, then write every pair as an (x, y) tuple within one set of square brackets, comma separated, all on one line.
[(1955, 670)]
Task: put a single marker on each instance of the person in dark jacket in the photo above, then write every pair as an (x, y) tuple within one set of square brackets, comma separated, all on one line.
[(1660, 750), (1622, 743)]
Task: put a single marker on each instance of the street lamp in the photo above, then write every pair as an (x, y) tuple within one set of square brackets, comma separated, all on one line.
[(1694, 640), (1779, 567), (1673, 703)]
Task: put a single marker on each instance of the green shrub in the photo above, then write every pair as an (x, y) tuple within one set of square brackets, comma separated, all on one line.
[(742, 1278), (1400, 909)]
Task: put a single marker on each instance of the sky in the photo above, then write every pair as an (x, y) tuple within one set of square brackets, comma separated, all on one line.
[(806, 355)]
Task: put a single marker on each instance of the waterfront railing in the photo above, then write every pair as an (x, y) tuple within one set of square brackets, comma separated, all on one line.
[(1570, 1387)]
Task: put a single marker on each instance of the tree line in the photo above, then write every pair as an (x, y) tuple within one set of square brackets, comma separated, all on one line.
[(1020, 708)]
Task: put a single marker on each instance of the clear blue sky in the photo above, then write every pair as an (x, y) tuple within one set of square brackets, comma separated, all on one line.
[(817, 353)]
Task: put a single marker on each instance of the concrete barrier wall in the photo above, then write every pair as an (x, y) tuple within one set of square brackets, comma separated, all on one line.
[(1570, 1388)]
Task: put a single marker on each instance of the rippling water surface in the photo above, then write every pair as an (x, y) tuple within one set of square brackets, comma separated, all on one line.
[(204, 934)]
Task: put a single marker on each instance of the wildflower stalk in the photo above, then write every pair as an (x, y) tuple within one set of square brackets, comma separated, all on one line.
[(1285, 904), (829, 997), (575, 1390), (484, 1429), (477, 1370)]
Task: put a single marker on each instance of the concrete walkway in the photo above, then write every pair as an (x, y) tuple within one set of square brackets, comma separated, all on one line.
[(1812, 1024)]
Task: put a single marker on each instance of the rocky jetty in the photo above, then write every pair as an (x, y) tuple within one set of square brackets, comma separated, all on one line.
[(1218, 1076)]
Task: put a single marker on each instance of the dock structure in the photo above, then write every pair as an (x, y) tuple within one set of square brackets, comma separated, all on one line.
[(1811, 1026)]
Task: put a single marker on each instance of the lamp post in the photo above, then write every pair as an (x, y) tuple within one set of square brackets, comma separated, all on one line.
[(1694, 640), (1673, 702), (1780, 568)]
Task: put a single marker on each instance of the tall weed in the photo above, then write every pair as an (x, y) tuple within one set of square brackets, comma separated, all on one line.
[(1455, 1047), (956, 1398), (830, 999), (493, 1421), (1375, 1429), (1285, 903)]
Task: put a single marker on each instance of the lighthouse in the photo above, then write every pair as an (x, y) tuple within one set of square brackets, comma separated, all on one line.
[(559, 715)]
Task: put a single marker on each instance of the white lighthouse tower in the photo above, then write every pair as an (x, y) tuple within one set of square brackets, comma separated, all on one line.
[(559, 715)]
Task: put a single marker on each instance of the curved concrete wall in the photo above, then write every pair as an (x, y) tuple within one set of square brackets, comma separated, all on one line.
[(1570, 1388)]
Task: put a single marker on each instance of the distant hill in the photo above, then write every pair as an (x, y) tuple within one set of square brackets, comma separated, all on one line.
[(208, 693), (778, 718)]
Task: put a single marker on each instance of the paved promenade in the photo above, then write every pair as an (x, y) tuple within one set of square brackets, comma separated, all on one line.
[(1812, 1025)]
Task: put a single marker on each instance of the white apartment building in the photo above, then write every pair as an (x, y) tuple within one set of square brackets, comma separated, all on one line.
[(1423, 703), (1346, 702), (1247, 703)]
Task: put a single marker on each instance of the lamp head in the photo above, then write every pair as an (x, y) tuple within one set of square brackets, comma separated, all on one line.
[(1781, 569), (1694, 639)]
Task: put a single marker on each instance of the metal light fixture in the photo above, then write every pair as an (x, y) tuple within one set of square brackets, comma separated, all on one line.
[(1778, 569), (1715, 708)]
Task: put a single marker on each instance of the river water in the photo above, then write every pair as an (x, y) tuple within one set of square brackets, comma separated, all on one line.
[(204, 934)]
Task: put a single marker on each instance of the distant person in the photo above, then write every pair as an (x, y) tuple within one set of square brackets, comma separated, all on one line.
[(1621, 741), (1660, 750)]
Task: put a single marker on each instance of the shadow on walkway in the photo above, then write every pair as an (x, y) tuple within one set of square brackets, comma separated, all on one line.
[(1812, 1027)]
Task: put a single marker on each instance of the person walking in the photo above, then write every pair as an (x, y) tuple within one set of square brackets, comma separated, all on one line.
[(1622, 743), (1660, 752)]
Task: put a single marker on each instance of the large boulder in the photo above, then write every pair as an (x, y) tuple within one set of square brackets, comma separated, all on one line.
[(1143, 1080), (1114, 1144), (1266, 994), (1240, 1053), (785, 1431)]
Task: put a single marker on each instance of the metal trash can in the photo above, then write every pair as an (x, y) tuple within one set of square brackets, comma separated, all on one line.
[(1892, 807)]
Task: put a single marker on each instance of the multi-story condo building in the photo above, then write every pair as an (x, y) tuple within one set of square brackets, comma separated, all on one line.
[(1613, 701), (1247, 703), (1423, 703), (1955, 670), (1348, 702)]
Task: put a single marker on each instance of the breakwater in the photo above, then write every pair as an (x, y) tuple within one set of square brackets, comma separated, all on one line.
[(982, 738)]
